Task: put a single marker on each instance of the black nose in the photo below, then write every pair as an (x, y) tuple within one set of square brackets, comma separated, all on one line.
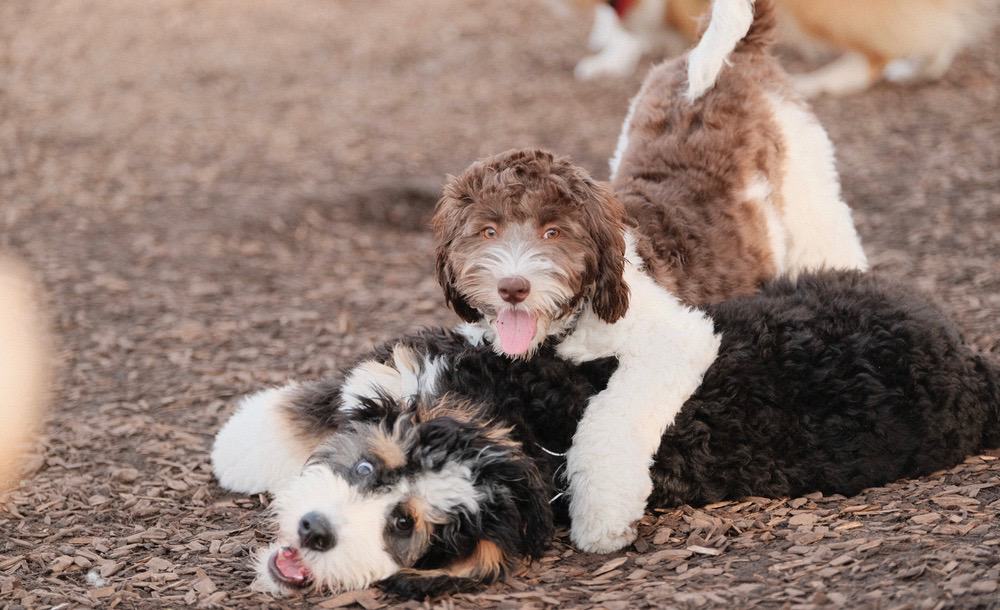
[(316, 533), (514, 289)]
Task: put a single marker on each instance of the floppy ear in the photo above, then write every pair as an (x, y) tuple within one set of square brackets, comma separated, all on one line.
[(445, 224), (452, 296), (611, 295), (516, 519), (525, 520), (484, 565)]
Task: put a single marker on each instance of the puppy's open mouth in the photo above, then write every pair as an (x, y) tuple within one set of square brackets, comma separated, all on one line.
[(287, 568), (516, 329)]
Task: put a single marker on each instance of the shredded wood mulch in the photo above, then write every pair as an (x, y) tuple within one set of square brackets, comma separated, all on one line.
[(224, 195)]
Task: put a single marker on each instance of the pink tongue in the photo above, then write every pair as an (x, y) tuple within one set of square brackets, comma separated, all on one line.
[(290, 566), (516, 329)]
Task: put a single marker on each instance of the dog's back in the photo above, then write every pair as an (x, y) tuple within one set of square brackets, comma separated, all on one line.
[(834, 382), (725, 172)]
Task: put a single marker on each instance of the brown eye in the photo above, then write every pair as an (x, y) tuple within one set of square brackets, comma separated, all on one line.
[(550, 233), (403, 524), (489, 233)]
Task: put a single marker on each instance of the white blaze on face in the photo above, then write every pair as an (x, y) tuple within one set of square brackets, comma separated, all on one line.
[(359, 521), (518, 252), (359, 557)]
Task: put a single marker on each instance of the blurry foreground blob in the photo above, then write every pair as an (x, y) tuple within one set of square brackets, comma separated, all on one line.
[(23, 370)]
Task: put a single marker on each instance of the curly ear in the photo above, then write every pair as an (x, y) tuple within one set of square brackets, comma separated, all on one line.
[(611, 294), (446, 226), (519, 520), (452, 296), (537, 522)]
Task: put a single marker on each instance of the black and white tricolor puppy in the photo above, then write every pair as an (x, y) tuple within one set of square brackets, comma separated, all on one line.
[(444, 475)]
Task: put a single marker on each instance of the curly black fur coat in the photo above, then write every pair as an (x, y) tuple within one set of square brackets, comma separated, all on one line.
[(833, 382)]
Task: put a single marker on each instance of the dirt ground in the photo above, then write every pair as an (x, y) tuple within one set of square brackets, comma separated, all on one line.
[(221, 195)]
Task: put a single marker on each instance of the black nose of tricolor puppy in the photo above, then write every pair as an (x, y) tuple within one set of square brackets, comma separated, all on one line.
[(315, 532), (514, 289)]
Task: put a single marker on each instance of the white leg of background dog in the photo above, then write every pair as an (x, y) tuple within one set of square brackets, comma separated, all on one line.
[(664, 349), (605, 24), (850, 73), (820, 232), (935, 66), (619, 50)]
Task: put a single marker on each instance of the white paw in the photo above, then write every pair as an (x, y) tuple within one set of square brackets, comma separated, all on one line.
[(595, 538), (604, 503), (618, 59), (902, 70), (601, 66)]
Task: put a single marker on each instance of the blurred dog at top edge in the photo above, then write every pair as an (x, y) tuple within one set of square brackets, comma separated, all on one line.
[(899, 40)]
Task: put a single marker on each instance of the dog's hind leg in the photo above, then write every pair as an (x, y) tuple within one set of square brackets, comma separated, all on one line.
[(819, 229), (261, 447)]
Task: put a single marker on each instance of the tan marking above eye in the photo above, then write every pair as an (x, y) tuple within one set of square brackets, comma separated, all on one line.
[(386, 449)]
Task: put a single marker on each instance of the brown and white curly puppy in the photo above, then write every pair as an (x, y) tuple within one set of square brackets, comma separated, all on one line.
[(722, 179)]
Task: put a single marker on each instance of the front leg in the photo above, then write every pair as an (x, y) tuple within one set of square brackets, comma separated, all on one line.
[(618, 50), (664, 350)]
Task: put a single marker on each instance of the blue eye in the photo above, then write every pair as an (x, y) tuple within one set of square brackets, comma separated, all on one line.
[(364, 468)]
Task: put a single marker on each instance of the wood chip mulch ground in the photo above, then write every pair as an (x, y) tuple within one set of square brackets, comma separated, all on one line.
[(222, 195)]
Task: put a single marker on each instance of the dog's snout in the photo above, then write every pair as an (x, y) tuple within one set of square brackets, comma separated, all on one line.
[(316, 533), (514, 289)]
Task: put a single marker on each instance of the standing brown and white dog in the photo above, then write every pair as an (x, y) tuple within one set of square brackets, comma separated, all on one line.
[(722, 179), (896, 39)]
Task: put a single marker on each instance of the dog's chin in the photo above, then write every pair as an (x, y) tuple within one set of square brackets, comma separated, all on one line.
[(281, 571)]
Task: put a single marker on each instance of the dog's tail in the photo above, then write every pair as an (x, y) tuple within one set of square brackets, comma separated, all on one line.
[(735, 26)]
